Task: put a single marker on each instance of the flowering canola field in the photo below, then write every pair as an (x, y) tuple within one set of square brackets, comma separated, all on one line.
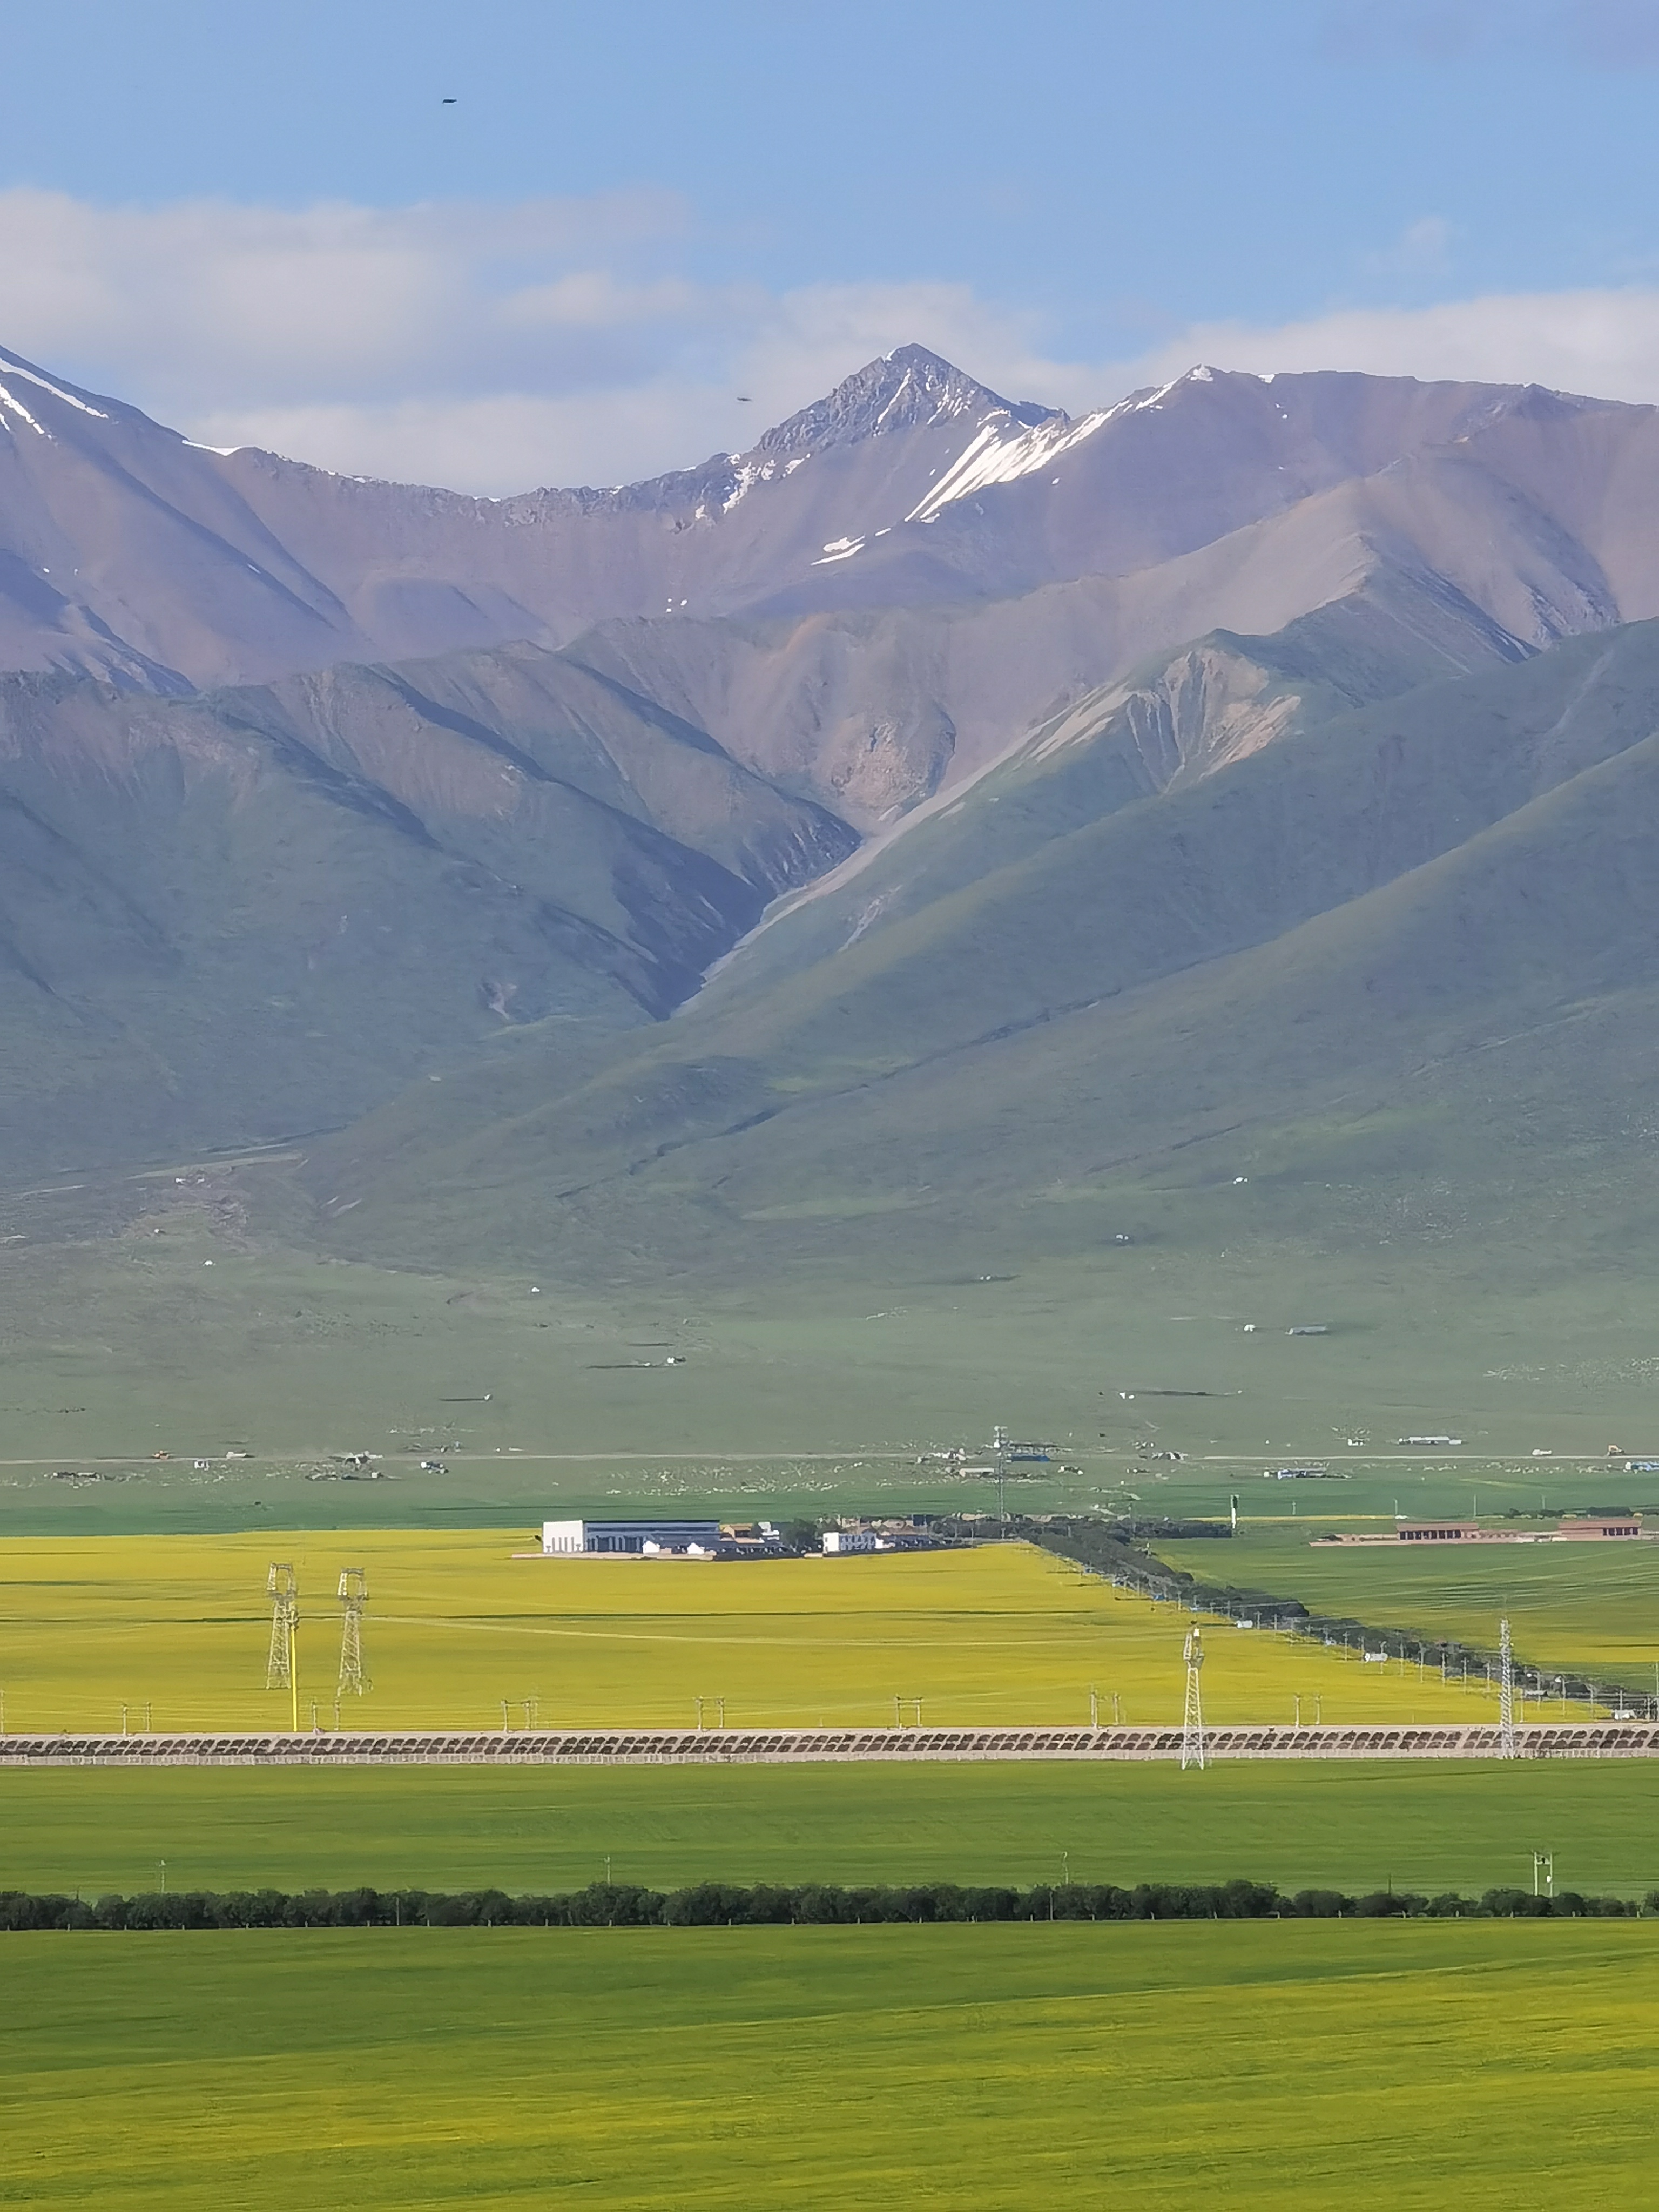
[(175, 1629)]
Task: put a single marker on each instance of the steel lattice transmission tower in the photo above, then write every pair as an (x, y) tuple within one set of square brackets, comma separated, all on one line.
[(283, 1591), (1192, 1719), (354, 1595), (1506, 1744)]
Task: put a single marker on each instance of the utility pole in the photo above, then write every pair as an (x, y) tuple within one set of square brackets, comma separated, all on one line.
[(353, 1594), (1506, 1745), (1094, 1706), (1000, 1442), (282, 1659), (1192, 1721)]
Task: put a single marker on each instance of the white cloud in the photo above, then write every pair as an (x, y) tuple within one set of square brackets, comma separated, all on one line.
[(1603, 342), (561, 341), (491, 347)]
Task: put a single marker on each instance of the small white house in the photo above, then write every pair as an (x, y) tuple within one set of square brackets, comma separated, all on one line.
[(851, 1539)]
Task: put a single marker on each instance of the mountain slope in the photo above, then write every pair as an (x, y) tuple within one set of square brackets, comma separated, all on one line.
[(1357, 920), (226, 917)]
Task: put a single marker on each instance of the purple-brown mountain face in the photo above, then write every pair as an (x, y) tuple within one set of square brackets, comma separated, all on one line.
[(126, 551), (310, 785)]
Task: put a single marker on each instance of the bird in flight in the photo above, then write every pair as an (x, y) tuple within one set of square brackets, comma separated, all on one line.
[(743, 399), (448, 100)]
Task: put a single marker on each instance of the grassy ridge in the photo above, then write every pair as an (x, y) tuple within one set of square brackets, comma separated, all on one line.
[(1000, 2067), (1431, 1826)]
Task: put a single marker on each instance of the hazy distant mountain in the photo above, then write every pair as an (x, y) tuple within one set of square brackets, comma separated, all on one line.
[(126, 551), (933, 718)]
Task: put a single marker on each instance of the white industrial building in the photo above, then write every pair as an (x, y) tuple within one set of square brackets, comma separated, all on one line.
[(636, 1539)]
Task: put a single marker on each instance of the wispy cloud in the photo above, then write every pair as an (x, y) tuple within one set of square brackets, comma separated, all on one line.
[(1422, 250), (1594, 33)]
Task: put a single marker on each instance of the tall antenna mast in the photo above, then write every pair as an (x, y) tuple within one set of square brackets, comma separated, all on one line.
[(354, 1596), (1506, 1745), (282, 1663), (1192, 1720)]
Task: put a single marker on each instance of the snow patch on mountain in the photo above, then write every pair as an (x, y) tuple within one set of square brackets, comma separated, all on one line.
[(16, 407), (995, 457)]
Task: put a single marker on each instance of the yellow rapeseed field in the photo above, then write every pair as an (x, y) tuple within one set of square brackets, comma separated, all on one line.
[(456, 1625)]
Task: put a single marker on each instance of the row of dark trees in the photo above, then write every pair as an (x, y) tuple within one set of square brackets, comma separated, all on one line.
[(719, 1904)]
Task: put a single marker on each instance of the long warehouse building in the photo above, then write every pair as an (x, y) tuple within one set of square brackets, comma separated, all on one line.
[(642, 1538)]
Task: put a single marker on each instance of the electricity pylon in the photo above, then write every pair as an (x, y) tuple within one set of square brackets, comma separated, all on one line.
[(282, 1665), (1192, 1720), (354, 1595), (1506, 1743)]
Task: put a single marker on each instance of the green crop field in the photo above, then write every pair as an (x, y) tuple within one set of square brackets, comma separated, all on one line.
[(458, 1627), (1431, 1826), (1487, 2065), (1584, 1607)]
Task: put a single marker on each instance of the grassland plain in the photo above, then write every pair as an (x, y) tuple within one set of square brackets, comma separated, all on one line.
[(120, 1340), (1432, 1827), (1485, 2064), (460, 1633), (1574, 1606)]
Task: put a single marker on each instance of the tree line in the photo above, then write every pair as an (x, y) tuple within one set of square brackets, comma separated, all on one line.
[(719, 1904)]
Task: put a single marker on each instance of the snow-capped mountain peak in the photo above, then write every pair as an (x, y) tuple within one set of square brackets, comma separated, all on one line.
[(910, 389)]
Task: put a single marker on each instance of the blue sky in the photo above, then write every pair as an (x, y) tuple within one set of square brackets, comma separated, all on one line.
[(260, 222)]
